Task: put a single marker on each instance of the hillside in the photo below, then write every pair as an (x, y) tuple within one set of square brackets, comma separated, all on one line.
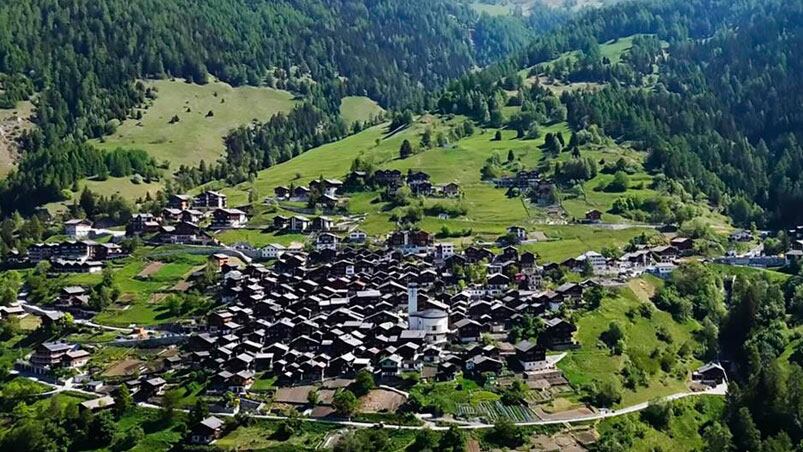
[(204, 113)]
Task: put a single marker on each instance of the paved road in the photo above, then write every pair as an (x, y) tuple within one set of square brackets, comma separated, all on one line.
[(720, 390)]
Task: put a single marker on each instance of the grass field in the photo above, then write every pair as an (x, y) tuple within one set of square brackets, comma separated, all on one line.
[(114, 185), (447, 395), (196, 136), (135, 305), (572, 240), (593, 361), (260, 436), (359, 108)]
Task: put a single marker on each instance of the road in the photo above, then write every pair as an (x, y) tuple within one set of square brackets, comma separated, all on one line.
[(720, 390)]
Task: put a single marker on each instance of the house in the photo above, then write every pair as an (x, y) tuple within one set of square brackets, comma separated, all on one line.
[(518, 232), (594, 216), (443, 251), (388, 178), (207, 431), (357, 236), (210, 200), (710, 374), (299, 224), (191, 216), (229, 219), (741, 236), (300, 193), (598, 261), (98, 404), (664, 253), (72, 266), (410, 242), (143, 223), (185, 233), (77, 229), (272, 251), (73, 297), (662, 270), (530, 355), (323, 224), (684, 245), (179, 202), (281, 192), (50, 354), (326, 241), (171, 215), (558, 334), (451, 190)]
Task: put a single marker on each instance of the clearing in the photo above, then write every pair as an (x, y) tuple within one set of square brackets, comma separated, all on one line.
[(197, 135), (123, 186), (13, 122), (359, 108)]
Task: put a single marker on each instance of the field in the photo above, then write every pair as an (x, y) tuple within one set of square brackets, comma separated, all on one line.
[(450, 396), (136, 304), (261, 436), (196, 136), (122, 186), (359, 108), (593, 361)]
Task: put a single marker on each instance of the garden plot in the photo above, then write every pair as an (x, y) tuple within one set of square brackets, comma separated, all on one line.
[(493, 411)]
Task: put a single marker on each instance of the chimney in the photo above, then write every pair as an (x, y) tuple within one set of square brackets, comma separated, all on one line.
[(412, 298)]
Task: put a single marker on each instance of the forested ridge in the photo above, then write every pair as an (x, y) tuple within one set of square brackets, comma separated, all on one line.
[(722, 113), (82, 59)]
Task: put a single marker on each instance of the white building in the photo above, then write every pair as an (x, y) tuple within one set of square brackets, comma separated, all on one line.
[(77, 229), (272, 251), (433, 322), (598, 261), (443, 251)]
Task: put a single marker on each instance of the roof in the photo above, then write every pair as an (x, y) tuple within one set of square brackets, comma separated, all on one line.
[(212, 422)]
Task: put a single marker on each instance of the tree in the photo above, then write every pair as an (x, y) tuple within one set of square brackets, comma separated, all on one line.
[(426, 440), (506, 434), (170, 401), (511, 157), (717, 438), (498, 135), (123, 400), (454, 440), (406, 149), (345, 402), (657, 414), (619, 184), (363, 383), (313, 397), (614, 337), (198, 413)]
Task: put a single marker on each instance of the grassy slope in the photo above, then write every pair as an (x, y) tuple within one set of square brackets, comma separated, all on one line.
[(136, 305), (358, 108), (13, 122), (683, 432), (594, 362), (195, 137), (113, 185)]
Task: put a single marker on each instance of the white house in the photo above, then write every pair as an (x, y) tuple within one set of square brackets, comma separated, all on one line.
[(597, 260), (77, 229), (272, 251), (357, 236)]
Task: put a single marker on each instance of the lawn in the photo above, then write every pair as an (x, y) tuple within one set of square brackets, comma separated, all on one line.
[(196, 136), (593, 361), (359, 108)]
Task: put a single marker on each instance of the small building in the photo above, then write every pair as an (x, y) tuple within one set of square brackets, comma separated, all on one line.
[(326, 241), (207, 431), (98, 404), (229, 219), (518, 232), (272, 251), (710, 374), (451, 190), (357, 236), (210, 200), (179, 202), (322, 224), (530, 355), (281, 192), (594, 216), (299, 224), (77, 229)]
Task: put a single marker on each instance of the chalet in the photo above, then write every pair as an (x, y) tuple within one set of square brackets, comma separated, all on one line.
[(467, 330), (143, 223), (299, 224), (272, 251), (684, 245), (518, 232), (710, 374), (186, 234), (593, 216), (280, 222), (73, 266), (424, 188), (328, 201), (300, 193), (322, 224), (210, 200), (179, 202), (228, 219), (443, 251), (281, 192), (481, 364), (497, 283), (52, 355), (171, 215), (741, 236), (73, 297), (451, 190), (357, 236), (326, 241), (191, 216), (98, 404), (530, 355), (662, 270), (154, 386), (558, 334), (207, 431), (410, 242), (388, 178), (77, 229), (664, 253)]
